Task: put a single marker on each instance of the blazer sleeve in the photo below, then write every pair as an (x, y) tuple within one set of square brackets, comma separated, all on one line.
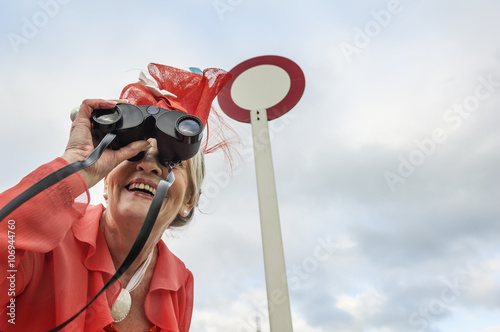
[(42, 222)]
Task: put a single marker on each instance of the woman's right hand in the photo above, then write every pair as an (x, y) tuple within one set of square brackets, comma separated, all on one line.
[(80, 143)]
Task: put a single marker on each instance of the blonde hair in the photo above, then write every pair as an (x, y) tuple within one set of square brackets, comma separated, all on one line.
[(196, 171)]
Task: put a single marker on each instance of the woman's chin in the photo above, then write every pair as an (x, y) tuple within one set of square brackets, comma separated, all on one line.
[(131, 211), (131, 208)]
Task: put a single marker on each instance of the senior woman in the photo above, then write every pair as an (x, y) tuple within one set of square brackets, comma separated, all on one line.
[(67, 250)]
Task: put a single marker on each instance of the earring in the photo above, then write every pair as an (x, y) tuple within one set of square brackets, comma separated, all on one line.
[(185, 212), (105, 195)]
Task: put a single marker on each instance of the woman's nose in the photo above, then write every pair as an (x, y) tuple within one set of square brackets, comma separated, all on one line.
[(150, 163)]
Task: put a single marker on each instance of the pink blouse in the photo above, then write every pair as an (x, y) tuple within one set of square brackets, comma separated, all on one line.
[(54, 259)]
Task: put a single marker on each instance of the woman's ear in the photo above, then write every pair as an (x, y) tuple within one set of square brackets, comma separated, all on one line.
[(187, 205)]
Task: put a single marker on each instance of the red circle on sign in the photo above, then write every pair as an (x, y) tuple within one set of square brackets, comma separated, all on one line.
[(297, 86)]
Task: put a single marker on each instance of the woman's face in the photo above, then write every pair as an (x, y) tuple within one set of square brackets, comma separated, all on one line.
[(131, 185)]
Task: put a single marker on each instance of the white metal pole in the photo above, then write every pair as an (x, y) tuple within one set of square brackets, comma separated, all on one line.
[(280, 317)]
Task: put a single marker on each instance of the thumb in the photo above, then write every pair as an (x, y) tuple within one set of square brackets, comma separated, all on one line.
[(130, 151)]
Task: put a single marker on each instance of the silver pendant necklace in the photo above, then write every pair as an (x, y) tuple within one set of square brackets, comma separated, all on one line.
[(121, 307)]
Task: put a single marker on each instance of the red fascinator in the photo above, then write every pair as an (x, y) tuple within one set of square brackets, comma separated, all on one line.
[(182, 90)]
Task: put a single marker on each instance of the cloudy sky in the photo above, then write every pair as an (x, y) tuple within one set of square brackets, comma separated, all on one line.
[(387, 170)]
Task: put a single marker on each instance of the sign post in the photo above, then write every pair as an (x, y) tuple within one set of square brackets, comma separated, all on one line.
[(261, 90)]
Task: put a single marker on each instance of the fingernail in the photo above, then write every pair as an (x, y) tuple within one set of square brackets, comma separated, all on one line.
[(147, 147)]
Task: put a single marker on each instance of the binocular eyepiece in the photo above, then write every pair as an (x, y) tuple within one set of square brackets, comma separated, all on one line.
[(178, 134)]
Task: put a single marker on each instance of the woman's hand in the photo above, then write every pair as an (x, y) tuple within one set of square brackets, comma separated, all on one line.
[(80, 143)]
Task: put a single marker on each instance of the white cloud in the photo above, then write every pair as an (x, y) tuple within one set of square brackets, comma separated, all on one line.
[(362, 305), (491, 329)]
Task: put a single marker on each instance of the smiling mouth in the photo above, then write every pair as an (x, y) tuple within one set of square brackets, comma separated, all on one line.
[(142, 188)]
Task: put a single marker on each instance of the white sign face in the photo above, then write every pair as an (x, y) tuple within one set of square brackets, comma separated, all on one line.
[(260, 87), (266, 82)]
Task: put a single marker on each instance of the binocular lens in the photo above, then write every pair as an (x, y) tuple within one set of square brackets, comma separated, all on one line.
[(107, 117), (189, 127)]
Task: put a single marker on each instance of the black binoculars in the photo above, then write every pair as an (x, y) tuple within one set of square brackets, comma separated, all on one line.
[(178, 134)]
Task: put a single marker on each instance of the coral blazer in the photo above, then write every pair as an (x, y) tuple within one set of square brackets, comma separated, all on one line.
[(54, 259)]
